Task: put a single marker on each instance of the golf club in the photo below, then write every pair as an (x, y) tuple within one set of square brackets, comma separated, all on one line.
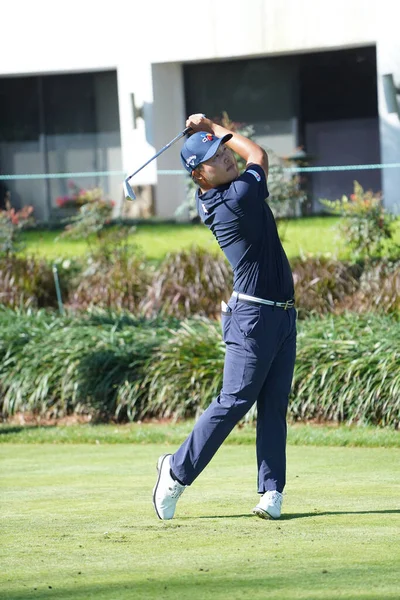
[(128, 191)]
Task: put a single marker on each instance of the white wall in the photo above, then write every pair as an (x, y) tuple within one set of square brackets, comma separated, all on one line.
[(228, 28), (43, 36)]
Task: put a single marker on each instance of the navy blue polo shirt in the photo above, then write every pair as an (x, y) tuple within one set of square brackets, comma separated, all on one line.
[(245, 229)]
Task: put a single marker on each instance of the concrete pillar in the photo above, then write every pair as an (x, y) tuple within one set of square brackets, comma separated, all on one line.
[(168, 120), (388, 61), (135, 90)]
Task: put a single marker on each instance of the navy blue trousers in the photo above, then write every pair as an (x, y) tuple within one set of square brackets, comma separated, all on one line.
[(260, 355)]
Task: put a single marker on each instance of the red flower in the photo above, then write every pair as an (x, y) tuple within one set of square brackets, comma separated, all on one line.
[(14, 217)]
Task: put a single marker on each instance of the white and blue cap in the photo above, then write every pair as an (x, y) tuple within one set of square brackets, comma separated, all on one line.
[(199, 147)]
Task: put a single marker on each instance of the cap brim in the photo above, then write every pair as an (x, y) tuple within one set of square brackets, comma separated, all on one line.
[(214, 147)]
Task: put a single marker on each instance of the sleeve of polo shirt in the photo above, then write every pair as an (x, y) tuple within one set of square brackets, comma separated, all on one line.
[(252, 183)]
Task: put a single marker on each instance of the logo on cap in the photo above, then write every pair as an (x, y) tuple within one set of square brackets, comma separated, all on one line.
[(208, 137), (191, 160)]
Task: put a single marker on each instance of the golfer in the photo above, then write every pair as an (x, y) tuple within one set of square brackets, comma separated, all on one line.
[(258, 323)]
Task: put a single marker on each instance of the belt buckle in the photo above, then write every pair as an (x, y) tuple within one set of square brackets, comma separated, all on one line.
[(286, 305)]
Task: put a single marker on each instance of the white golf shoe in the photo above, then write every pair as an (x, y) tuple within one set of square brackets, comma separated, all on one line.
[(167, 491), (270, 505)]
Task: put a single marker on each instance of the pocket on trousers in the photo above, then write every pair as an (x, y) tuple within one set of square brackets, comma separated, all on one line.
[(247, 317), (226, 317)]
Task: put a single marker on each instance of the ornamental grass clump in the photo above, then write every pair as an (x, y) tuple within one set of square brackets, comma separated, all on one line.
[(189, 283), (27, 282), (74, 365), (347, 370), (117, 284), (185, 373), (115, 366), (378, 290), (321, 284)]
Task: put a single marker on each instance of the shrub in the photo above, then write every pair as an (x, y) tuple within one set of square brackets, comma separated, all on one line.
[(365, 225), (118, 284), (78, 197), (80, 367), (110, 378), (189, 283), (121, 367), (378, 290), (26, 282), (322, 283), (11, 223), (23, 333), (185, 373), (115, 276), (347, 371), (18, 327), (90, 219)]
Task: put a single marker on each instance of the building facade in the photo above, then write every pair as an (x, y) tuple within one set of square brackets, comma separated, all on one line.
[(98, 90)]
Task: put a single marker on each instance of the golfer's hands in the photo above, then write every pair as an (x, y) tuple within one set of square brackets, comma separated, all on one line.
[(199, 122)]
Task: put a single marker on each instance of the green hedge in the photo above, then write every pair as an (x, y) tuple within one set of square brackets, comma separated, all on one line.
[(121, 367)]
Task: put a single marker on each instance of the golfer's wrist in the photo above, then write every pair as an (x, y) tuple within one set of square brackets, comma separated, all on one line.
[(218, 130)]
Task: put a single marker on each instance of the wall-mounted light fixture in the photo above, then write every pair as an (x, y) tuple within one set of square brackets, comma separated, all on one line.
[(391, 92), (137, 112)]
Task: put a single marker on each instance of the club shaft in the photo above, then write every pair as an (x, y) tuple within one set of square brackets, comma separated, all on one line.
[(178, 137)]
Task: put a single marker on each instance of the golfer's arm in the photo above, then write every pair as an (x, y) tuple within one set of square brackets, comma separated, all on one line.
[(251, 152)]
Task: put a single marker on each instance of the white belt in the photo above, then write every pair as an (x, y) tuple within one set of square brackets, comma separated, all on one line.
[(285, 305)]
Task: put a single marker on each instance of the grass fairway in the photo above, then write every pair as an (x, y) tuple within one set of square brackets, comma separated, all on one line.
[(308, 235), (314, 235), (78, 523)]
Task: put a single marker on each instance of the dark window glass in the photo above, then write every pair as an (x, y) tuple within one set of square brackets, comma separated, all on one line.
[(19, 109), (320, 86), (69, 104), (338, 85), (248, 90)]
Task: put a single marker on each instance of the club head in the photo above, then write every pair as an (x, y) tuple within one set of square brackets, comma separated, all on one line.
[(128, 191)]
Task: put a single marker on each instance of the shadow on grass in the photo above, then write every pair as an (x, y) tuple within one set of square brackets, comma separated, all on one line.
[(339, 512), (11, 429), (289, 517), (203, 583), (8, 429), (225, 516)]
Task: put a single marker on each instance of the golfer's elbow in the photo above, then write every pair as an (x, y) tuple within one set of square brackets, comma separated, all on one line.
[(260, 157)]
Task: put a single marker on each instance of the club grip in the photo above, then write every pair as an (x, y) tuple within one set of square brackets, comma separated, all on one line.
[(187, 130)]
